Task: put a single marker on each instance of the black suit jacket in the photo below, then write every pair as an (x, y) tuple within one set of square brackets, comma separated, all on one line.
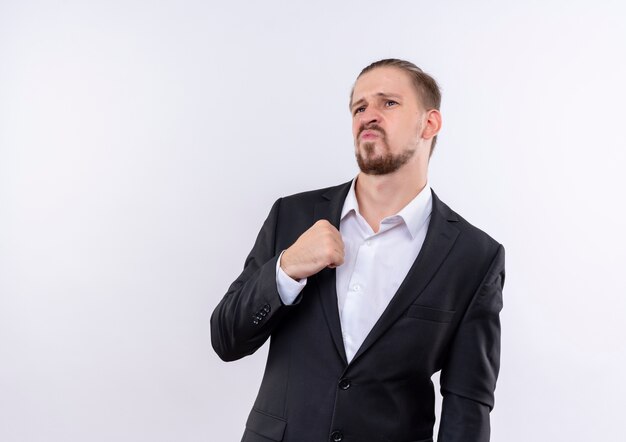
[(444, 316)]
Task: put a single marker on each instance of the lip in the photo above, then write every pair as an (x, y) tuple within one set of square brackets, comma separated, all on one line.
[(369, 134)]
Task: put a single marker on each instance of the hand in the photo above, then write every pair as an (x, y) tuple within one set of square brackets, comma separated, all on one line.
[(319, 247)]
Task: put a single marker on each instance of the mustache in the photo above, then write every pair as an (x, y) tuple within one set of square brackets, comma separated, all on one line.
[(372, 126)]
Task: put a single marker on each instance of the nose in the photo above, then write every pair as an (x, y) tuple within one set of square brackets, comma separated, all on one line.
[(369, 115)]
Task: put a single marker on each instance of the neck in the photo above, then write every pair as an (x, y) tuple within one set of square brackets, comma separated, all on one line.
[(380, 196)]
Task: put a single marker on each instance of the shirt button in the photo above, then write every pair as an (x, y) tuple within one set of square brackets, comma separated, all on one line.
[(336, 436), (368, 242), (356, 287)]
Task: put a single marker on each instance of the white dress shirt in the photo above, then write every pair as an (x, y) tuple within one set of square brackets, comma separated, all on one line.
[(375, 264)]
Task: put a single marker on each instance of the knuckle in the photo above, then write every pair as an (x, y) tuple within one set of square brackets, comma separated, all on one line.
[(325, 225)]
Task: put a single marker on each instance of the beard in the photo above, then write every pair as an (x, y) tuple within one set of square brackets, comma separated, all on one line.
[(381, 164)]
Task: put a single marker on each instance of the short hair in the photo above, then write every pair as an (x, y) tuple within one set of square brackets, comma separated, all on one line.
[(426, 87)]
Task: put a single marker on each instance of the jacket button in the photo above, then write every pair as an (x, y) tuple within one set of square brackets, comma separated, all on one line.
[(336, 436), (344, 384)]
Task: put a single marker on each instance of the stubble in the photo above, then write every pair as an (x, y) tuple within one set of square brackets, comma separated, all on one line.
[(382, 164)]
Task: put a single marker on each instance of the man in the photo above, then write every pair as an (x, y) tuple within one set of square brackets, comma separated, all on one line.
[(369, 288)]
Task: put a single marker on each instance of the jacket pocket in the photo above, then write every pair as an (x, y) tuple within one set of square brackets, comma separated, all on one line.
[(266, 425), (430, 314)]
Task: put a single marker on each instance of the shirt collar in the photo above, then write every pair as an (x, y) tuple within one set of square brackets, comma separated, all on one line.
[(414, 214)]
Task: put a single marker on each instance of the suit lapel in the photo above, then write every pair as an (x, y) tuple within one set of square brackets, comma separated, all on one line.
[(330, 209), (440, 238)]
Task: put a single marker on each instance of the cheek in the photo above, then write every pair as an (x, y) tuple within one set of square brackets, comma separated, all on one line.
[(417, 127), (410, 131)]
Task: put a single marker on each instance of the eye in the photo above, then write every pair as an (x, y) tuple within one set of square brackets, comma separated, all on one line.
[(359, 110), (390, 103)]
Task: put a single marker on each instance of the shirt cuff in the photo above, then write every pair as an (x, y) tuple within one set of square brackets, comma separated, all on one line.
[(288, 288)]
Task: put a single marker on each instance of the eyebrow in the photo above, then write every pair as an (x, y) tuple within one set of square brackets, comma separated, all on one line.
[(379, 94)]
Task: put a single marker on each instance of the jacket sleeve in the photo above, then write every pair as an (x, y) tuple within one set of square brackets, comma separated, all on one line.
[(468, 377), (251, 308)]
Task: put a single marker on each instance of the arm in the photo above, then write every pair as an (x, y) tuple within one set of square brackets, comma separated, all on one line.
[(236, 330), (468, 378), (253, 305)]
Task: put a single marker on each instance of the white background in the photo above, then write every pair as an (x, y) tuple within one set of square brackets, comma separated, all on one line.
[(142, 144)]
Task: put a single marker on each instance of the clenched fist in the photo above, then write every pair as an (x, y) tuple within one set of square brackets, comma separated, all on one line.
[(319, 247)]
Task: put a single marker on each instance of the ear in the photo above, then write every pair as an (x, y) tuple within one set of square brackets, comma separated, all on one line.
[(433, 124)]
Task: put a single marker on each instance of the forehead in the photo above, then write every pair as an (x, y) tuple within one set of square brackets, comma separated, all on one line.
[(383, 80)]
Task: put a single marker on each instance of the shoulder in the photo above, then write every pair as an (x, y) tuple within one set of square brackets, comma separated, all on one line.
[(472, 237), (311, 198)]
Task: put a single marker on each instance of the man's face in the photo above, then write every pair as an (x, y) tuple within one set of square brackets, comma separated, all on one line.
[(386, 120)]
